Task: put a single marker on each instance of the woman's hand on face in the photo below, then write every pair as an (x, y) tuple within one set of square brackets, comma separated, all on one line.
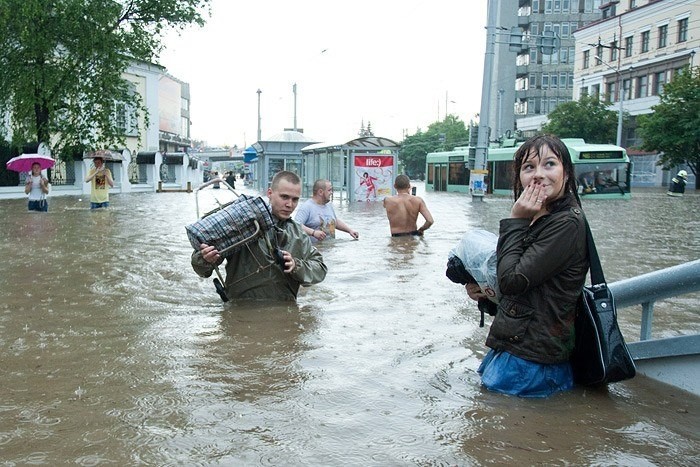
[(530, 202)]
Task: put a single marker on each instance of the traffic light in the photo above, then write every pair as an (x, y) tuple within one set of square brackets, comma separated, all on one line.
[(548, 42), (515, 39)]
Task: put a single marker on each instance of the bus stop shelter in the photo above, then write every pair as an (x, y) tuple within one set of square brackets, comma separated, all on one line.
[(279, 152), (361, 169)]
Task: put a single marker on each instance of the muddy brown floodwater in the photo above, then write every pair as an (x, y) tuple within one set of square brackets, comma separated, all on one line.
[(115, 353)]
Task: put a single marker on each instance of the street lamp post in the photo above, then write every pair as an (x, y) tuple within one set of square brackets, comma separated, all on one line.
[(620, 86)]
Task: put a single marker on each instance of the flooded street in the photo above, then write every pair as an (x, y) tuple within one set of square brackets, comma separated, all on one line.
[(114, 352)]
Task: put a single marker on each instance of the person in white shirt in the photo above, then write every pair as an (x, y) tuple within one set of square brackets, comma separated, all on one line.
[(317, 216), (37, 187)]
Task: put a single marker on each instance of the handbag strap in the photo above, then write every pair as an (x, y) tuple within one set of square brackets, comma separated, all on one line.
[(597, 276)]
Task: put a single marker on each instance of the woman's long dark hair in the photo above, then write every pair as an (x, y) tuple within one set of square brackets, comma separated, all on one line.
[(535, 144)]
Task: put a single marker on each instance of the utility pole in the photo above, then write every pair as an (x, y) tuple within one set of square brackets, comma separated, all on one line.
[(294, 90), (476, 176), (259, 121), (500, 112)]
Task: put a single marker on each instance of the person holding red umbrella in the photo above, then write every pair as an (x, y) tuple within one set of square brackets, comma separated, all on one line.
[(37, 187)]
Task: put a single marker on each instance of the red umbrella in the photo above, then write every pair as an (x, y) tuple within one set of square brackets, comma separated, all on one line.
[(24, 162)]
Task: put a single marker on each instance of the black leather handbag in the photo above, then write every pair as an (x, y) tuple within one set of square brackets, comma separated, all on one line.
[(600, 354)]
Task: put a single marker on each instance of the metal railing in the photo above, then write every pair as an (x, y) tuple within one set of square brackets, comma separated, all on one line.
[(658, 285)]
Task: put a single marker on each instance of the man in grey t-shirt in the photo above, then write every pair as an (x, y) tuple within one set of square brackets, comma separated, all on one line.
[(317, 216)]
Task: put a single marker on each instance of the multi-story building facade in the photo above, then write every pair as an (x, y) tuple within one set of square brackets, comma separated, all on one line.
[(628, 55), (167, 100), (529, 84), (174, 114)]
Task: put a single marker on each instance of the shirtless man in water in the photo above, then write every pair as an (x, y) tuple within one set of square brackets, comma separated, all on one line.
[(403, 209)]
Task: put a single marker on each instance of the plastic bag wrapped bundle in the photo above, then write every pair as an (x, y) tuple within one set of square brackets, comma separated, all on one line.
[(473, 261), (477, 253), (230, 225)]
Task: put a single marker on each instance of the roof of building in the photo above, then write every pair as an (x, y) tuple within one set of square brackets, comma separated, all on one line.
[(365, 142), (288, 136)]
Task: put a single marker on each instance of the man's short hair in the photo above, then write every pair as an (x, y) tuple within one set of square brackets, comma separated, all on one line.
[(320, 184), (291, 177), (402, 182)]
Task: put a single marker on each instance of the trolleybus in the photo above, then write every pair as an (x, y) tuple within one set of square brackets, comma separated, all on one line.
[(602, 170)]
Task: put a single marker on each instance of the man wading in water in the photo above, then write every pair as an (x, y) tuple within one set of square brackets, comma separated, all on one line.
[(403, 209)]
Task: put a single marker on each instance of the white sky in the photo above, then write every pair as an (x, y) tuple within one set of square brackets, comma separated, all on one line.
[(393, 63)]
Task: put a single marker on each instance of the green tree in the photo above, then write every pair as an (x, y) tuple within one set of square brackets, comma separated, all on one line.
[(674, 126), (62, 64), (587, 118), (440, 136)]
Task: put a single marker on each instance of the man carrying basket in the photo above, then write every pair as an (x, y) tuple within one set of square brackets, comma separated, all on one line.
[(276, 264)]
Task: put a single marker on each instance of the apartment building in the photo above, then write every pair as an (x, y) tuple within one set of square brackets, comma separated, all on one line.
[(628, 55), (529, 84)]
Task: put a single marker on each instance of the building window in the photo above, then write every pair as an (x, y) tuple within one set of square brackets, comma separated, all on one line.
[(545, 81), (642, 86), (533, 55), (571, 81), (554, 81), (628, 46), (633, 4), (659, 81), (663, 36), (645, 42), (627, 89), (610, 92), (683, 30), (552, 104), (586, 58), (595, 90), (533, 81), (565, 6), (583, 91), (562, 80), (185, 127), (547, 6), (609, 11), (535, 6), (613, 51)]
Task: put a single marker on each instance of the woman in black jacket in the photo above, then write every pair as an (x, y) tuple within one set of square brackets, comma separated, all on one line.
[(542, 266)]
